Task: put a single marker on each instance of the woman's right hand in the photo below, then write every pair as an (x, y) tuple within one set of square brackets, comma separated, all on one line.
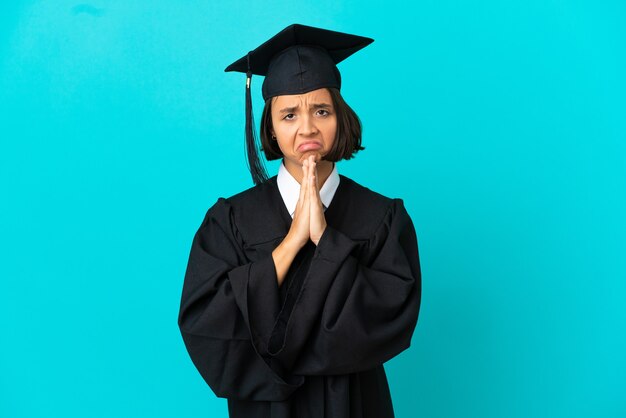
[(299, 231)]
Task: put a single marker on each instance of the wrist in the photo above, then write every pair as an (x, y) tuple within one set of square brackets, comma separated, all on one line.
[(290, 245), (319, 238)]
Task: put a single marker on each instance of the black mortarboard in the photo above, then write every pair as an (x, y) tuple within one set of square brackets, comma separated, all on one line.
[(296, 60)]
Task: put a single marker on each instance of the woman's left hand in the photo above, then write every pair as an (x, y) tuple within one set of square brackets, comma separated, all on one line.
[(316, 217)]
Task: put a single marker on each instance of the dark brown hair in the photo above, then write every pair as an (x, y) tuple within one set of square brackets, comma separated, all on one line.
[(347, 139)]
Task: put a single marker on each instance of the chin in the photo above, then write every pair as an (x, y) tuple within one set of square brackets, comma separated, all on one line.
[(318, 155)]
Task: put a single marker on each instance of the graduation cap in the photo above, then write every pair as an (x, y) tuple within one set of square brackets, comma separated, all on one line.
[(296, 60)]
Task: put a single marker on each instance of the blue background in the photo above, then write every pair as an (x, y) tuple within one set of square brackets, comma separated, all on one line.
[(500, 123)]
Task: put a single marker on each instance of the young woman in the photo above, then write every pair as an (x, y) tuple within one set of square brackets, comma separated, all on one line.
[(298, 289)]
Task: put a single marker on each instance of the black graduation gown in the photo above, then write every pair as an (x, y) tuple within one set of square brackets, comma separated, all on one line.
[(315, 346)]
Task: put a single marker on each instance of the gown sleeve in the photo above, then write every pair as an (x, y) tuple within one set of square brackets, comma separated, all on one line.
[(228, 308), (351, 315)]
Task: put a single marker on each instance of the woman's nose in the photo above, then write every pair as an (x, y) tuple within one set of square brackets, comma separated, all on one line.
[(308, 126)]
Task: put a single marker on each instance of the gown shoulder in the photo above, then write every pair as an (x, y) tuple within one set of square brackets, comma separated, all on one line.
[(253, 195), (256, 213)]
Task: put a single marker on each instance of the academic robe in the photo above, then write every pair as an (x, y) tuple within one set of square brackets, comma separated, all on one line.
[(315, 346)]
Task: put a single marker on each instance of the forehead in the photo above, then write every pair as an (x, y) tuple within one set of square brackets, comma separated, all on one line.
[(315, 96)]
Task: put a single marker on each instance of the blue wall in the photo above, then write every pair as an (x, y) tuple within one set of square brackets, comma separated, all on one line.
[(502, 125)]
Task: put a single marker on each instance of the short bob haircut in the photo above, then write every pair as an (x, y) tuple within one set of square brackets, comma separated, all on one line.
[(347, 140)]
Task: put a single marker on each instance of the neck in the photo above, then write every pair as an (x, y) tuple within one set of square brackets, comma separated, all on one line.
[(324, 168)]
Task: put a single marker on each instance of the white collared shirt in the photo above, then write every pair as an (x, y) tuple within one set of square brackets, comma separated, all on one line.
[(290, 188)]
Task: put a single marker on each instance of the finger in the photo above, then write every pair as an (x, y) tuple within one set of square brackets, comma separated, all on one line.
[(302, 186), (305, 182), (316, 178), (307, 194), (314, 172), (313, 187), (308, 171)]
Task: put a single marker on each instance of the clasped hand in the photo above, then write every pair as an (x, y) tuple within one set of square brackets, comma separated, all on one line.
[(308, 221)]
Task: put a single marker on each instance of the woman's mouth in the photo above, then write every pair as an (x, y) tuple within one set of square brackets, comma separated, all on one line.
[(307, 146)]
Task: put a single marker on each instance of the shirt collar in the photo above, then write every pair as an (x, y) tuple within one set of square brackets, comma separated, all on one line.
[(290, 188)]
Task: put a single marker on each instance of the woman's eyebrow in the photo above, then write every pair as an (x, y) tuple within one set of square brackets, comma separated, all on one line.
[(314, 106), (288, 109), (320, 105)]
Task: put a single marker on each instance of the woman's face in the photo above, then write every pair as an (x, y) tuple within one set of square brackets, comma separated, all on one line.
[(304, 124)]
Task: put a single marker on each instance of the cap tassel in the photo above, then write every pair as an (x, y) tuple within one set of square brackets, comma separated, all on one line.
[(255, 164)]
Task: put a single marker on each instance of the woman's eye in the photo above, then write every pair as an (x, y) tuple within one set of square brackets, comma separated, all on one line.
[(326, 112), (289, 116)]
